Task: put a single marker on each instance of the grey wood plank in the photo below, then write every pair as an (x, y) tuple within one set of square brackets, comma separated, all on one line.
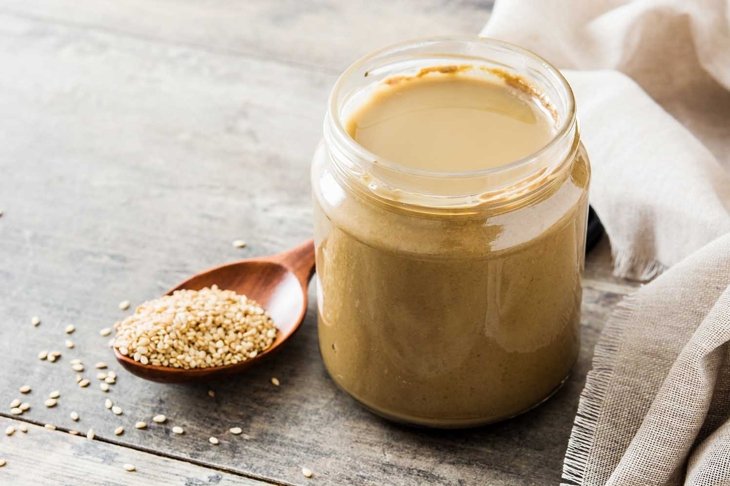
[(598, 273), (127, 164), (42, 456), (328, 34)]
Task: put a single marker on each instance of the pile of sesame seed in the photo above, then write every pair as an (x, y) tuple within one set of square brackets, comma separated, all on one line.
[(195, 329)]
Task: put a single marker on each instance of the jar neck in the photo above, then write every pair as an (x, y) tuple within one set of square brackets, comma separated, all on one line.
[(515, 183)]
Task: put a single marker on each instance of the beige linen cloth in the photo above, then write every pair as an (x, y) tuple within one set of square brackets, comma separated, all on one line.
[(652, 83)]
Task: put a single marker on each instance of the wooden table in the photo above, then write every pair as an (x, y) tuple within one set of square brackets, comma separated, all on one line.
[(137, 140)]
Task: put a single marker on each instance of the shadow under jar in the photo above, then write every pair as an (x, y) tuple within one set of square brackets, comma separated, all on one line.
[(450, 298)]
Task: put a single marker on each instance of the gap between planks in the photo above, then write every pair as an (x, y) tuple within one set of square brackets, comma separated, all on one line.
[(610, 287), (152, 452)]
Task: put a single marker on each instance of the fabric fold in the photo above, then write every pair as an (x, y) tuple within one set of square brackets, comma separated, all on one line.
[(652, 84), (658, 391)]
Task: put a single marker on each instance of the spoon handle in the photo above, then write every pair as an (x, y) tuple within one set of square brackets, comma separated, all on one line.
[(299, 260)]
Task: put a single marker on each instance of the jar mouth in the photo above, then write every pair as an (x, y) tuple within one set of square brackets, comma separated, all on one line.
[(367, 63)]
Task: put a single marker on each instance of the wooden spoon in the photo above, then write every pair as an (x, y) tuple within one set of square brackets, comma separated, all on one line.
[(278, 283)]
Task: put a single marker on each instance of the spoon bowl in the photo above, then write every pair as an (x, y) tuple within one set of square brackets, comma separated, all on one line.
[(279, 283)]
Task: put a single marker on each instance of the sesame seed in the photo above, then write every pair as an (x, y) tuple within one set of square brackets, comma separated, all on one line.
[(52, 358), (275, 381), (74, 432), (130, 467), (74, 416), (110, 380), (101, 375), (84, 383), (79, 377), (76, 361), (15, 403), (35, 320), (104, 387), (108, 404), (24, 389), (214, 441), (239, 243), (235, 430), (112, 374), (177, 430), (140, 425), (70, 344), (51, 402), (117, 410), (25, 406), (42, 355), (50, 426), (106, 331), (228, 327), (23, 428), (55, 354), (70, 329), (90, 434), (124, 305), (77, 367), (119, 431), (16, 411), (307, 473), (54, 394), (159, 419), (2, 461), (10, 430), (211, 393), (100, 365)]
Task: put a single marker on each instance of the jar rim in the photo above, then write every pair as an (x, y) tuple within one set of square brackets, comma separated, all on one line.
[(333, 114)]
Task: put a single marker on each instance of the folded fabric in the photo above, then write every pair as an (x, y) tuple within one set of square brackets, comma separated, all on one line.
[(656, 406)]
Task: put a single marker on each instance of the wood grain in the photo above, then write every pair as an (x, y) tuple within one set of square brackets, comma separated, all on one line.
[(42, 456), (325, 35), (138, 141)]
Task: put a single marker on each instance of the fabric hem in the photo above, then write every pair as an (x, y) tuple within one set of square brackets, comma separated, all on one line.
[(633, 267), (590, 406)]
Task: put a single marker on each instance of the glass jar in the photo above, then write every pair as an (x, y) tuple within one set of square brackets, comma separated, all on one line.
[(450, 299)]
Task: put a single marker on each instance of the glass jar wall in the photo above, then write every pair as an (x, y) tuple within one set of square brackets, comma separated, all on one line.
[(450, 299)]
